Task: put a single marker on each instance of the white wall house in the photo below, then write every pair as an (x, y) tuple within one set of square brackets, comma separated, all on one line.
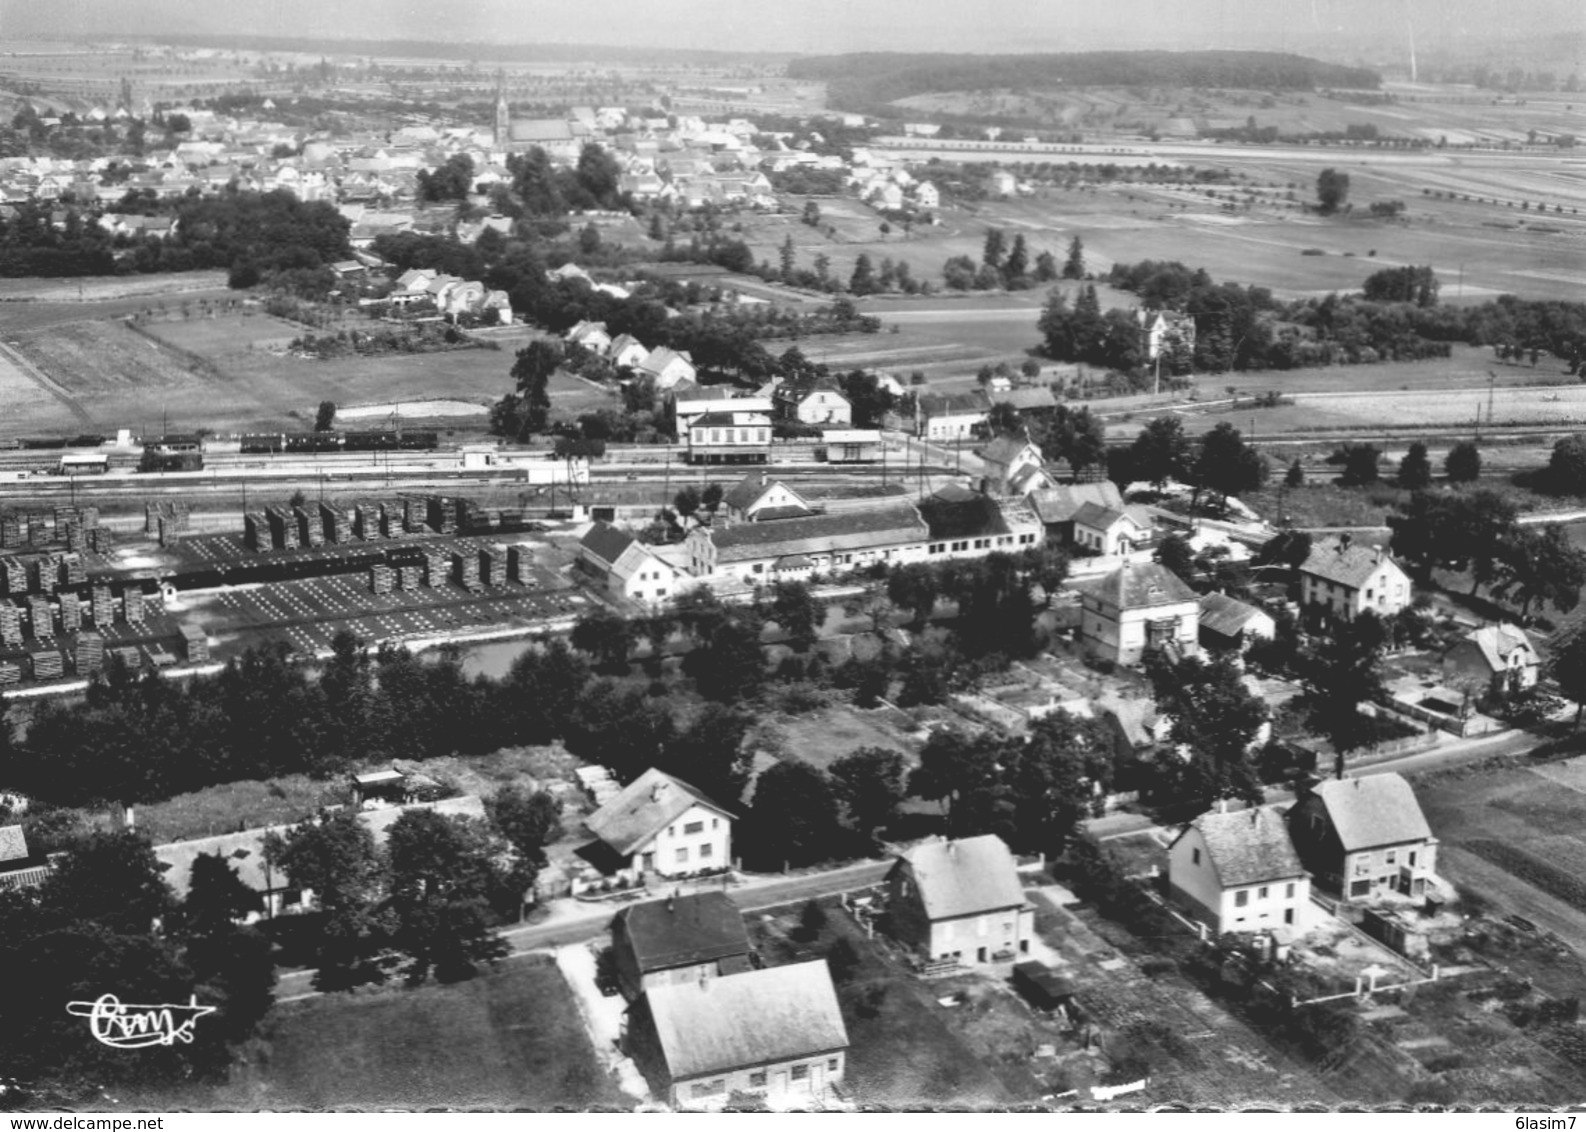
[(660, 825), (1238, 872)]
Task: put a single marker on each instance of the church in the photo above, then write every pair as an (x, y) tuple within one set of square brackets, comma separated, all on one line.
[(561, 139)]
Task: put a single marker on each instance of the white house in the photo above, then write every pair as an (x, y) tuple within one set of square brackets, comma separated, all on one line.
[(960, 900), (1239, 872), (626, 567), (758, 498), (1342, 579), (1365, 836), (1113, 531), (626, 351), (660, 825), (590, 335), (1136, 607), (736, 437), (670, 369)]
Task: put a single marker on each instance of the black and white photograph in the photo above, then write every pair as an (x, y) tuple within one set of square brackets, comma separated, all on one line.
[(654, 556)]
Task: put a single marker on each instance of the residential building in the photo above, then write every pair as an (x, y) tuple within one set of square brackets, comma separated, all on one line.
[(1364, 836), (670, 369), (1341, 579), (687, 409), (777, 1033), (960, 901), (681, 939), (1168, 330), (590, 335), (758, 498), (736, 437), (1500, 659), (812, 403), (625, 567), (948, 416), (660, 825), (1014, 466), (1113, 531), (1238, 872), (1227, 623), (1056, 506), (626, 352), (969, 524), (1139, 606)]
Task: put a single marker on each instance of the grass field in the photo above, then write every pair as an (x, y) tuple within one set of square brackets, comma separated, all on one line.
[(823, 737), (511, 1038)]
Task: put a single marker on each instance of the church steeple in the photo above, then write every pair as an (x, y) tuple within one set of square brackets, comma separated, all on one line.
[(503, 114)]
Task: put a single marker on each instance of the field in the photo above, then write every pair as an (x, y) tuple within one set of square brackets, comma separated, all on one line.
[(823, 737), (511, 1039)]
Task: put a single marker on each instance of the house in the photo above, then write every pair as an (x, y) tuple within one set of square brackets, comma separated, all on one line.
[(852, 446), (661, 825), (1014, 466), (1364, 836), (670, 369), (1025, 398), (814, 404), (777, 1033), (625, 567), (590, 335), (1238, 872), (1138, 730), (960, 901), (1169, 330), (1341, 579), (1057, 505), (1139, 606), (686, 410), (926, 195), (18, 867), (1227, 623), (736, 437), (626, 351), (757, 498), (948, 416), (1499, 658), (1113, 531), (682, 939), (762, 552)]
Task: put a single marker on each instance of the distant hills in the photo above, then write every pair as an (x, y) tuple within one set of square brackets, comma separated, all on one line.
[(869, 82)]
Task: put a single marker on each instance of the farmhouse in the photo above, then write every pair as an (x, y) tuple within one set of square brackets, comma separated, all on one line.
[(948, 416), (661, 825), (591, 336), (670, 369), (1365, 836), (1238, 872), (682, 939), (1341, 579), (777, 1033), (1013, 466), (1113, 531), (814, 403), (960, 901), (1501, 658), (1057, 506), (625, 567), (757, 498), (626, 351), (1136, 607)]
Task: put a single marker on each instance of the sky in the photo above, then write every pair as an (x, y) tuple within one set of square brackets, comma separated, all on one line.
[(829, 26)]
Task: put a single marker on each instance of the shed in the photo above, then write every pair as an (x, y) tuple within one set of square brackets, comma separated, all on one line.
[(1042, 987)]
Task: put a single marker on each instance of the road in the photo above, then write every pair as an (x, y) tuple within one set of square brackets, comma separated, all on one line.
[(572, 921)]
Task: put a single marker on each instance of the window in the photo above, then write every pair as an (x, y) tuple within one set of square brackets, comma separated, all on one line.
[(831, 1065), (757, 1080), (706, 850), (1360, 888), (760, 435), (1391, 857), (1261, 893), (682, 856), (708, 1088), (1288, 891), (1241, 898), (715, 436), (1195, 856), (715, 823), (800, 1072), (1412, 858), (694, 827), (671, 831)]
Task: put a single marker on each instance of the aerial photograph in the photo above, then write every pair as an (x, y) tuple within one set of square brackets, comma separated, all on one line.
[(670, 556)]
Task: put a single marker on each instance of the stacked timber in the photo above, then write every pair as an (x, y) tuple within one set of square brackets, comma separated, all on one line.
[(72, 571), (393, 518), (410, 577), (12, 534), (380, 579), (414, 516), (90, 653), (12, 576), (310, 529), (43, 618), (101, 539), (493, 566), (283, 528), (71, 613), (103, 606), (40, 530), (366, 521), (132, 601), (255, 531), (10, 672), (465, 570), (334, 525), (195, 643), (436, 567), (48, 664), (10, 626)]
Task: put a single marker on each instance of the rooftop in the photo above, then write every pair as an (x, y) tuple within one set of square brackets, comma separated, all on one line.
[(1379, 809), (962, 878), (1249, 846), (683, 930), (645, 805)]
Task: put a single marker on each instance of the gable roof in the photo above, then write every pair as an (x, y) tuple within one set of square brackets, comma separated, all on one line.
[(13, 846), (1348, 564), (1225, 616), (1142, 585), (850, 530), (1026, 397), (1102, 518), (1498, 642), (754, 1018), (606, 541), (962, 878), (950, 404), (644, 806), (1379, 809), (1004, 449), (683, 930), (1061, 503), (1248, 846)]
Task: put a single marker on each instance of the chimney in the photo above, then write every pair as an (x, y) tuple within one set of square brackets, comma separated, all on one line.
[(1381, 553), (671, 903), (129, 819), (1222, 805), (658, 791), (765, 477), (1343, 541)]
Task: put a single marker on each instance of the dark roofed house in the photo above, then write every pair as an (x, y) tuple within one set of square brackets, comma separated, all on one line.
[(777, 1033), (661, 825), (1056, 506), (1365, 836), (758, 498), (1229, 623), (1013, 466), (1238, 872), (1342, 578), (626, 567), (960, 901), (1113, 531), (682, 939)]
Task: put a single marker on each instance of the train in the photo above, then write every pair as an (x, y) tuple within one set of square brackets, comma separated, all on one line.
[(373, 440)]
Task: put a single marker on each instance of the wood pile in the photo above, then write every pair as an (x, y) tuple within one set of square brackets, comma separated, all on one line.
[(104, 606), (380, 579), (132, 601), (493, 566), (43, 618), (195, 643), (310, 530), (10, 626), (90, 653), (71, 613), (48, 664), (465, 570)]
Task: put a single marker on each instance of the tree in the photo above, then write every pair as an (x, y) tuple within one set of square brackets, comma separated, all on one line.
[(1075, 435), (1485, 522), (1426, 535), (1342, 671), (1463, 463), (1566, 665), (1074, 264), (1566, 467), (1332, 189), (112, 880), (1175, 553), (795, 609), (1213, 715), (1540, 566), (914, 586), (1017, 264), (442, 876), (604, 636), (812, 214), (870, 782), (954, 766), (1057, 779), (994, 248), (231, 964), (1045, 267), (794, 820), (863, 280), (713, 752), (686, 502), (1360, 465), (788, 260), (325, 419), (1295, 476), (1161, 451), (729, 666), (335, 857), (1415, 470), (1226, 465)]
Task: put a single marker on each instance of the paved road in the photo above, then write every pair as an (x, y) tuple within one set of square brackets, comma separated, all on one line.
[(575, 922)]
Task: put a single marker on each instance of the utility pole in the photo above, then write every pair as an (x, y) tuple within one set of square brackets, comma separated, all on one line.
[(1492, 388)]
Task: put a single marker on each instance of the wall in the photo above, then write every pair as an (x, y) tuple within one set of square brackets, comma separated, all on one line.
[(715, 836), (775, 1081)]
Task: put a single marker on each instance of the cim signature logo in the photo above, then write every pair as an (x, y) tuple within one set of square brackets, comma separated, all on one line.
[(134, 1025)]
